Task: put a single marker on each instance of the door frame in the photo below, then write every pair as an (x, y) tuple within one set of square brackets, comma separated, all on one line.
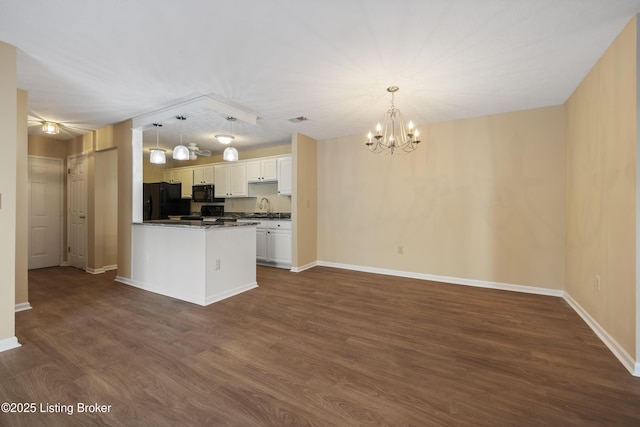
[(62, 209), (86, 201)]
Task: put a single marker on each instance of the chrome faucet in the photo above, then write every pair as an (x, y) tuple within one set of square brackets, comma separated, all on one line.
[(268, 204)]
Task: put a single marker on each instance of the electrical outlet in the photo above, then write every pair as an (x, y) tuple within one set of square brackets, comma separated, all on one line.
[(217, 264), (597, 281), (400, 250)]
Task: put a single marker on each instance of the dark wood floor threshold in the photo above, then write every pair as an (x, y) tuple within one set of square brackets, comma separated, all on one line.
[(324, 347)]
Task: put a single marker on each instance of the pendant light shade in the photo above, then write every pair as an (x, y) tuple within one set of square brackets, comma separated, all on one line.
[(230, 154), (157, 156), (180, 152)]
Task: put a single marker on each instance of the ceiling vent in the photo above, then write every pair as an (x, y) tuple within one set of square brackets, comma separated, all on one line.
[(298, 119)]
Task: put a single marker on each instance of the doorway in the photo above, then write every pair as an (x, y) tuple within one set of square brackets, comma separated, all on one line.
[(45, 212)]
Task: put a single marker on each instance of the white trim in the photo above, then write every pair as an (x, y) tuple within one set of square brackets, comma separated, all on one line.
[(9, 343), (448, 279), (231, 292), (102, 269), (304, 267), (194, 300), (23, 306), (623, 356), (125, 280)]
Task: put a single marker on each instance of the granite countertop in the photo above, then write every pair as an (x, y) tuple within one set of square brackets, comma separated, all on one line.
[(285, 216), (195, 224)]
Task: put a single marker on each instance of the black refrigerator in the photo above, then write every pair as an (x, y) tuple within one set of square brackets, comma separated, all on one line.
[(161, 199)]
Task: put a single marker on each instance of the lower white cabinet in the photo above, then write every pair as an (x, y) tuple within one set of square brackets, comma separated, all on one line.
[(279, 242), (273, 243), (261, 242)]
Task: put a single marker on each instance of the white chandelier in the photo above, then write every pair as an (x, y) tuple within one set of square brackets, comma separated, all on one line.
[(391, 137)]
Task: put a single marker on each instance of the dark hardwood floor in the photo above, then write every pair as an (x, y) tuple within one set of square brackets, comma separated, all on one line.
[(325, 347)]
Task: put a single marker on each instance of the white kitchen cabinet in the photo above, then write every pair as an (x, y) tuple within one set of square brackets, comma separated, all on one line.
[(279, 243), (261, 242), (183, 176), (263, 170), (231, 180), (203, 175), (172, 175), (284, 176), (273, 242)]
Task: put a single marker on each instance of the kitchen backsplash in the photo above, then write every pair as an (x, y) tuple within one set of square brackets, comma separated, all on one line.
[(252, 204), (278, 204)]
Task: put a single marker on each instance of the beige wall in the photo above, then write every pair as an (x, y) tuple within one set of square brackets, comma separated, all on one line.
[(47, 147), (106, 210), (601, 192), (305, 200), (8, 142), (480, 199), (22, 218)]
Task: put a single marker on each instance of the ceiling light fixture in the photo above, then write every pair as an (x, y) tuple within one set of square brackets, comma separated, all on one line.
[(392, 137), (226, 139), (230, 154), (157, 156), (180, 152), (51, 128)]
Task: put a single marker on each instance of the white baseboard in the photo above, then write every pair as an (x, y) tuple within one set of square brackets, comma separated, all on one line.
[(102, 269), (623, 356), (9, 343), (304, 267), (23, 306), (224, 295), (126, 281), (448, 279)]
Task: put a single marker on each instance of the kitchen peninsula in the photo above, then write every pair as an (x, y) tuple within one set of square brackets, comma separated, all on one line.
[(196, 261)]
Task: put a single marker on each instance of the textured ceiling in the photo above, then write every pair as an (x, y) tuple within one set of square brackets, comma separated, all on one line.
[(88, 64)]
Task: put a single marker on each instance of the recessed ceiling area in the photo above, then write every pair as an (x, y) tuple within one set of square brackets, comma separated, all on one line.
[(90, 64)]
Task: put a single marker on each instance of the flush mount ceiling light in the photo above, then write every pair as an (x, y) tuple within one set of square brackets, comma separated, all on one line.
[(226, 139), (392, 137), (180, 152), (51, 128), (230, 153), (157, 156)]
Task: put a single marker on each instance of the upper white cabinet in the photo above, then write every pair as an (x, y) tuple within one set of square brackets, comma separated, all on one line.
[(231, 180), (183, 176), (263, 170), (203, 175), (284, 176)]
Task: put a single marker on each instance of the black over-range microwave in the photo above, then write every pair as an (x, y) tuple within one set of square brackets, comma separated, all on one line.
[(204, 194)]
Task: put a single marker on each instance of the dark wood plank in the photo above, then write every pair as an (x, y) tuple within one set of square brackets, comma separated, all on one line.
[(322, 347)]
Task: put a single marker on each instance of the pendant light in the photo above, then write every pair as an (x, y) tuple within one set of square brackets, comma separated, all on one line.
[(157, 156), (230, 154), (180, 152)]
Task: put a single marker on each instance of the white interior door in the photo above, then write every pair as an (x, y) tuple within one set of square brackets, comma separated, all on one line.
[(45, 212), (77, 211)]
